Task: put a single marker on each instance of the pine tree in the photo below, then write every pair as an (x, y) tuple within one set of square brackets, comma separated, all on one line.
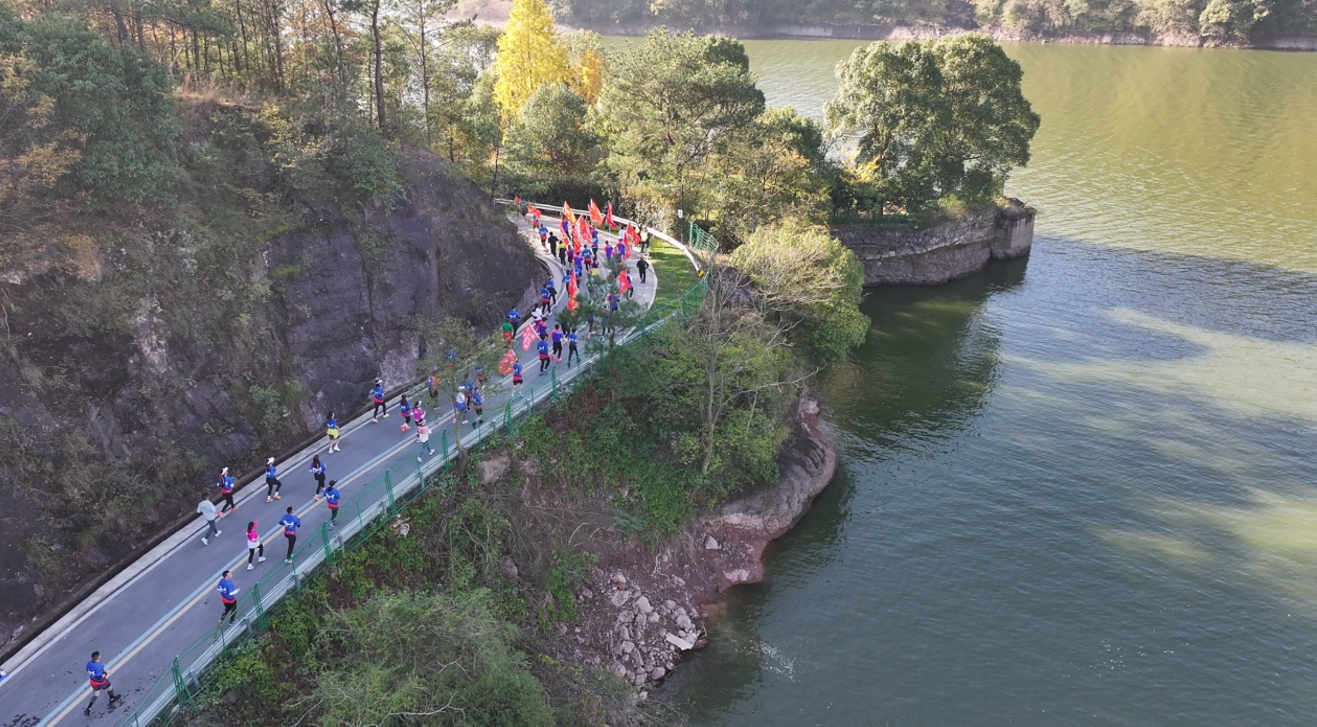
[(529, 56)]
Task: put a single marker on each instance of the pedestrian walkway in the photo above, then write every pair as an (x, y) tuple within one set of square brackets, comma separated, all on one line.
[(166, 602)]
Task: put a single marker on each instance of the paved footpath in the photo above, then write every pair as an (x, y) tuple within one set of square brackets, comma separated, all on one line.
[(166, 600)]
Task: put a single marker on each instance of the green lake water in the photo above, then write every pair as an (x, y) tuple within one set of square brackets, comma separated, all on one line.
[(1079, 488)]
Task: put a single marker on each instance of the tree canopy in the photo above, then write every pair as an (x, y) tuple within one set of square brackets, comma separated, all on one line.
[(530, 56), (932, 119)]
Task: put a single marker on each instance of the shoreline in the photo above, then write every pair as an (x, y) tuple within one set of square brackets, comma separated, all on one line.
[(1001, 34), (641, 613), (896, 32)]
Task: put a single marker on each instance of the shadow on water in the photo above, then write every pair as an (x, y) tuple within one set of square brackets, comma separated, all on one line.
[(1085, 496)]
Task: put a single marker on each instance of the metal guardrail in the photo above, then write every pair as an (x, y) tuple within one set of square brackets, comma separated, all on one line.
[(369, 511)]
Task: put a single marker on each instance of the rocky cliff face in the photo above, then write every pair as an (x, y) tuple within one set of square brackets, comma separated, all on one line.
[(176, 347)]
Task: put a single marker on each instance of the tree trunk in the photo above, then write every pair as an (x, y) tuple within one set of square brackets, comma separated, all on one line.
[(379, 61)]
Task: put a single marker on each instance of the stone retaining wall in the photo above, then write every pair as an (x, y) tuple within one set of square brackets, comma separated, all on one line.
[(941, 253)]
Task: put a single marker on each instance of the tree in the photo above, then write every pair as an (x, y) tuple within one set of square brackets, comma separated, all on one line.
[(671, 102), (529, 56), (778, 170), (585, 50), (551, 140), (465, 51), (991, 122), (932, 119), (889, 101), (811, 283), (724, 375), (80, 96), (418, 16), (454, 354), (442, 659)]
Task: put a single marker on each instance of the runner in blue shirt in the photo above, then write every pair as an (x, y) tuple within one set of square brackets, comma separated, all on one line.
[(272, 483), (514, 317), (478, 406), (100, 682), (571, 349), (331, 429), (517, 381), (553, 292), (544, 236), (225, 483), (331, 497), (544, 300), (291, 523), (229, 597), (542, 348), (317, 470), (377, 396), (557, 336), (405, 409)]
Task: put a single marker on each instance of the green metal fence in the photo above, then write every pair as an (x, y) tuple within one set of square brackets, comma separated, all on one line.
[(177, 690)]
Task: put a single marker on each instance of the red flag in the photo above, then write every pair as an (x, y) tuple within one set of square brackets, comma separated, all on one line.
[(572, 305), (583, 227), (534, 212), (505, 366), (571, 287), (623, 283), (567, 213), (611, 225), (527, 337), (596, 216), (518, 200)]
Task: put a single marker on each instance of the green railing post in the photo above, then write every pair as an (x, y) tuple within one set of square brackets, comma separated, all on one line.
[(443, 439), (553, 383), (324, 539), (388, 490), (181, 691), (507, 416), (258, 607)]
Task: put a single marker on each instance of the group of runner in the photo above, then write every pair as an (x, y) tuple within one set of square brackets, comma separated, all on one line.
[(578, 260)]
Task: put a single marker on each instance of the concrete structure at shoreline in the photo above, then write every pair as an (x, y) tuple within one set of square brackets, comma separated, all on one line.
[(941, 253)]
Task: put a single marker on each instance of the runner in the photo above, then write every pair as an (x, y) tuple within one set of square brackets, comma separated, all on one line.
[(644, 241), (557, 342), (553, 245), (589, 324), (514, 318), (543, 349), (226, 491), (433, 383), (377, 396), (100, 682), (507, 334), (542, 330), (418, 414), (480, 375), (317, 470), (459, 405), (291, 523), (563, 252), (272, 483), (207, 510), (478, 406), (331, 497), (571, 349), (630, 286), (255, 548), (553, 292), (517, 381), (405, 409), (608, 251), (642, 265), (544, 237), (423, 436), (331, 428), (229, 597)]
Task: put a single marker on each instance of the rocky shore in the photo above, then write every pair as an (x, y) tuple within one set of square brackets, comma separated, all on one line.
[(640, 612)]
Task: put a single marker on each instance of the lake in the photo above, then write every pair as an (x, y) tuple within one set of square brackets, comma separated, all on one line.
[(1078, 488)]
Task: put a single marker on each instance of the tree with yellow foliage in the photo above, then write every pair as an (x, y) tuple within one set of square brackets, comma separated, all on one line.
[(588, 64), (529, 56)]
